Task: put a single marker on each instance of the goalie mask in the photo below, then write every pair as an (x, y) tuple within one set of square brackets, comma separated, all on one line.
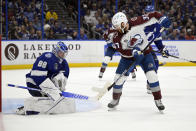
[(118, 19), (60, 50)]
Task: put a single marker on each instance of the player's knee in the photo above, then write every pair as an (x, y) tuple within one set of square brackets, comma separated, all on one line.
[(152, 76), (106, 59), (121, 80)]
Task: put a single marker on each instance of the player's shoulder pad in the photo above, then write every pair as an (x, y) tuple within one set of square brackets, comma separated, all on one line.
[(155, 14), (48, 55), (108, 32)]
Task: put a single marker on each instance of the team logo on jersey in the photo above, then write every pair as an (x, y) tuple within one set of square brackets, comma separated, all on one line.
[(56, 66), (150, 65), (11, 52), (48, 55)]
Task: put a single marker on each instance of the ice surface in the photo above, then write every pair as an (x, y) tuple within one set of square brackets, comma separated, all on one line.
[(136, 111)]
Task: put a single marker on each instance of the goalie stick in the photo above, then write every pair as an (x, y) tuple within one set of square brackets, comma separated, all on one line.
[(65, 94), (108, 86)]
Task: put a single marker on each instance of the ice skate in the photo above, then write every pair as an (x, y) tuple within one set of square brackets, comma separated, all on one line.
[(116, 98), (159, 105), (133, 75), (112, 105), (100, 75), (20, 111)]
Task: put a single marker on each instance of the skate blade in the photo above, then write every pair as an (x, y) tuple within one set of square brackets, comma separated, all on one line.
[(161, 112), (112, 109), (149, 92)]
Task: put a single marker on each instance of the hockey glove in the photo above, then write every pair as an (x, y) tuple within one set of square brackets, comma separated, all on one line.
[(60, 81), (138, 55), (165, 53), (164, 22)]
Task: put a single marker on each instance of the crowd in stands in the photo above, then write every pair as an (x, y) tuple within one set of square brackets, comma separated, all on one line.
[(25, 18), (183, 16)]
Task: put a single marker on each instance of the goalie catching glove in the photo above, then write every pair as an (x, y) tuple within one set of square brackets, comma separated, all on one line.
[(60, 81)]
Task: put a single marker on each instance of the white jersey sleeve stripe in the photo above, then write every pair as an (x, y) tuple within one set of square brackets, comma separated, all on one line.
[(39, 73), (30, 80)]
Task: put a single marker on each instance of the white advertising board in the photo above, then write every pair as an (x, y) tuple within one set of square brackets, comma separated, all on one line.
[(25, 52)]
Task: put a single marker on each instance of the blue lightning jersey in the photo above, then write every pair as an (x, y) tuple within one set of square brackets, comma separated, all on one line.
[(47, 66)]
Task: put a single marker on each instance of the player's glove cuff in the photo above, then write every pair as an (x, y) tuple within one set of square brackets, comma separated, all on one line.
[(165, 53), (164, 22)]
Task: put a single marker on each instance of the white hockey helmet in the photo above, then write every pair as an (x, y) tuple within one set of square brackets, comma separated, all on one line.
[(117, 20)]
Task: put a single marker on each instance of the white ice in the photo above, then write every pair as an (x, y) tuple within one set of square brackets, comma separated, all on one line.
[(136, 111)]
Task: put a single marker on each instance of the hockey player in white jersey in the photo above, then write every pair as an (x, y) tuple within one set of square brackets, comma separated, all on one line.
[(49, 74), (130, 39)]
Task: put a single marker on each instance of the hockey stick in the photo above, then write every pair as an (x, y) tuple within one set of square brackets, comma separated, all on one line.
[(178, 57), (65, 94), (108, 86)]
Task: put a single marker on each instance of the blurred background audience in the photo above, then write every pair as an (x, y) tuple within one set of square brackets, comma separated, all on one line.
[(61, 18)]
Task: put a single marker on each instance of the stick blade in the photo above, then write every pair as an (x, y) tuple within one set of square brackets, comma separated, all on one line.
[(101, 91)]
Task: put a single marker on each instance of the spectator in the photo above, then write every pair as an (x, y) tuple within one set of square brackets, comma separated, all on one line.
[(181, 36), (93, 10), (39, 34), (173, 35), (68, 31), (51, 15), (83, 36), (100, 26), (189, 35), (32, 35), (37, 23), (25, 33), (29, 14), (57, 28), (52, 36), (88, 18), (30, 26)]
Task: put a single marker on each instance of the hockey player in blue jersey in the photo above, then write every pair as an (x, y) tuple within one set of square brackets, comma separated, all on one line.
[(159, 45), (49, 74), (110, 51)]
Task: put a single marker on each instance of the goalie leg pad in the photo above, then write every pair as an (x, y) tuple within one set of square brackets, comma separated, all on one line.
[(50, 89), (42, 104)]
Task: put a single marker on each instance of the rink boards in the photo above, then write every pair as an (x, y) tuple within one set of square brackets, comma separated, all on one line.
[(22, 54)]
